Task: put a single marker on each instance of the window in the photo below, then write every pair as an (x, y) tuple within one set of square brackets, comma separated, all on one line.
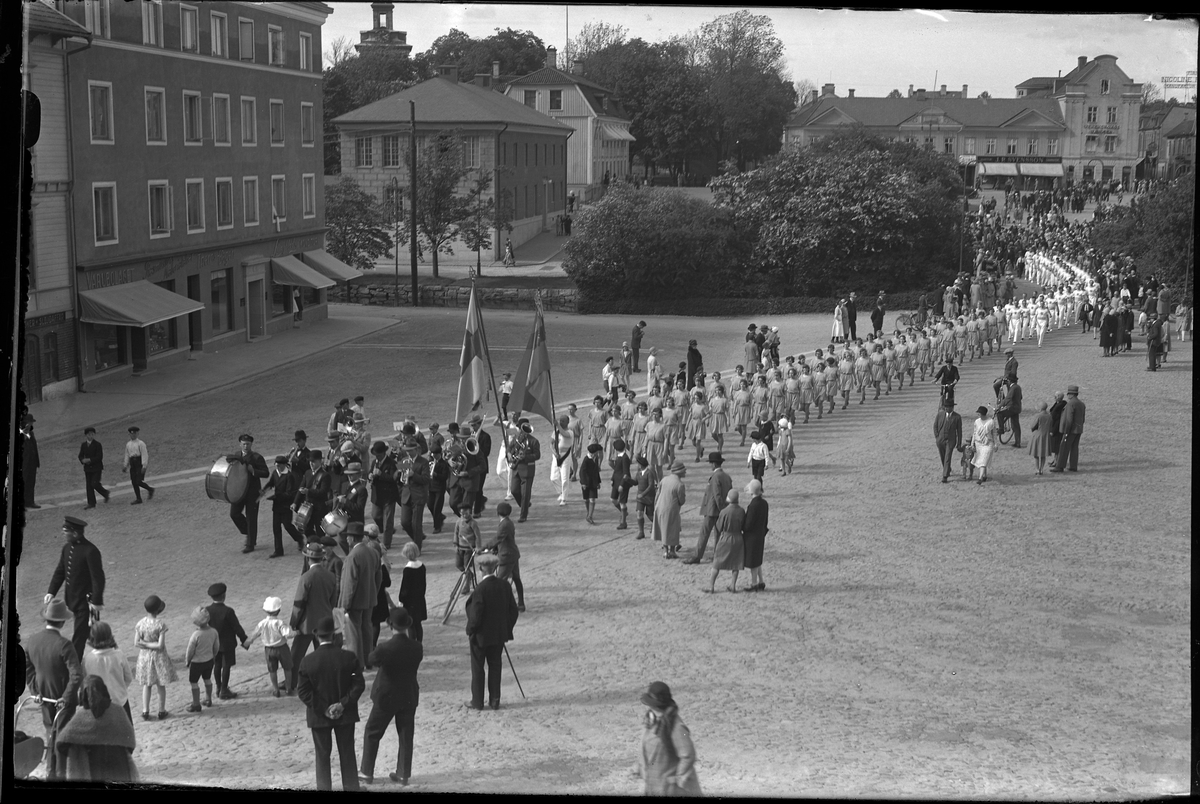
[(279, 198), (1011, 146), (392, 153), (276, 122), (250, 201), (245, 39), (100, 106), (104, 212), (225, 203), (928, 144), (220, 119), (189, 29), (470, 152), (989, 145), (307, 135), (531, 98), (219, 301), (156, 116), (948, 145), (1104, 86), (1092, 112), (1052, 146), (96, 13), (219, 34), (152, 23), (195, 205), (191, 118), (162, 334), (306, 52), (362, 152), (162, 215), (309, 186), (275, 40), (1112, 114), (108, 346), (556, 100), (1032, 148), (249, 121), (1110, 144), (50, 349), (281, 300), (1089, 144), (969, 145)]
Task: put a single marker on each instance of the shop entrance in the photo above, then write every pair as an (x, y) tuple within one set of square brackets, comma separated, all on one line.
[(195, 333), (256, 323)]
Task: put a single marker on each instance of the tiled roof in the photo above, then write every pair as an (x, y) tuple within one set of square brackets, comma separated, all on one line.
[(891, 112), (41, 18), (442, 101), (551, 76), (1042, 81), (1185, 129)]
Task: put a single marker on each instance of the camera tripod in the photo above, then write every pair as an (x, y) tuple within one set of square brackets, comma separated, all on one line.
[(463, 587)]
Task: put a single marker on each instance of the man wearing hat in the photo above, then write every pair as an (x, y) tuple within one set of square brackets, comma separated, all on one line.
[(947, 375), (521, 484), (414, 493), (137, 461), (671, 497), (341, 415), (91, 456), (947, 434), (353, 498), (316, 596), (316, 490), (284, 483), (668, 760), (330, 682), (244, 512), (1071, 424), (361, 576), (81, 569), (484, 440), (394, 696), (298, 455), (1010, 371), (52, 670), (715, 494), (385, 493), (30, 461), (491, 615)]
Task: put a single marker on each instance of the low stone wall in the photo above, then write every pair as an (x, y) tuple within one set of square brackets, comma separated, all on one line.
[(558, 300)]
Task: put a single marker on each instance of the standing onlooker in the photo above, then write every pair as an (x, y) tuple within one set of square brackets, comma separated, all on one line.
[(729, 552), (225, 621), (754, 535), (507, 555), (1010, 409), (330, 682), (506, 389), (412, 589), (852, 315), (491, 614), (91, 455), (877, 316), (635, 343), (154, 665), (201, 655), (947, 434), (104, 659), (1056, 433), (1183, 321), (274, 632), (1071, 424), (671, 497), (1154, 342), (668, 764), (137, 461), (1039, 443), (52, 671), (394, 697), (360, 586), (715, 499), (97, 744), (30, 461), (80, 573), (316, 595), (694, 364)]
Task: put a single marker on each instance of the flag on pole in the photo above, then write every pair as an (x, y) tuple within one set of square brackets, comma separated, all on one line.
[(473, 373), (532, 391)]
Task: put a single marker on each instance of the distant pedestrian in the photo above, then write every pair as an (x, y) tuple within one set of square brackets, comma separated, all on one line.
[(30, 460), (506, 389), (225, 621), (635, 342), (91, 456), (566, 222), (330, 682), (137, 462), (274, 633), (510, 259), (491, 615), (104, 659), (80, 574), (668, 758), (412, 589), (154, 665), (1039, 441), (201, 655), (394, 697), (729, 553)]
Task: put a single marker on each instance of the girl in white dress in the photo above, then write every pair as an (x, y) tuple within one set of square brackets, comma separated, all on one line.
[(984, 438)]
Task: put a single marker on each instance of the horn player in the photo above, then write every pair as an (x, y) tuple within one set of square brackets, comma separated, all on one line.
[(524, 455), (415, 491)]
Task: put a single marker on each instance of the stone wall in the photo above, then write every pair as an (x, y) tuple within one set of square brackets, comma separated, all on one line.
[(557, 300)]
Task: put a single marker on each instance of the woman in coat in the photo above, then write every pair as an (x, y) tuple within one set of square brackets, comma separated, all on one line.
[(729, 554), (671, 497), (984, 438), (97, 743), (695, 364), (668, 759), (754, 534), (1108, 333), (1039, 442)]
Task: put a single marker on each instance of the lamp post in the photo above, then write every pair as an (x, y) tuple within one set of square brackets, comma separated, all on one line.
[(396, 213), (412, 181)]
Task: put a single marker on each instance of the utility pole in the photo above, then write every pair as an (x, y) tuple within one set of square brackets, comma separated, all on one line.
[(412, 182), (396, 214)]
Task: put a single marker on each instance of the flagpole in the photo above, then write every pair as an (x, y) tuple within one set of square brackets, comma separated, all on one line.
[(537, 302), (491, 373)]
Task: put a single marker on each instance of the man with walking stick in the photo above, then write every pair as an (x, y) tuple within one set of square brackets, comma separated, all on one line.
[(491, 615)]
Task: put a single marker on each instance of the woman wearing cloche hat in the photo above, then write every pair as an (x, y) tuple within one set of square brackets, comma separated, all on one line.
[(671, 497), (668, 759)]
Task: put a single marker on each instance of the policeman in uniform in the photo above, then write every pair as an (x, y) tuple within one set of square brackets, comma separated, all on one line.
[(81, 569)]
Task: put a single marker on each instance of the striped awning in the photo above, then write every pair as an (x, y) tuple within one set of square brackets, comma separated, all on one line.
[(329, 265), (615, 133), (290, 271)]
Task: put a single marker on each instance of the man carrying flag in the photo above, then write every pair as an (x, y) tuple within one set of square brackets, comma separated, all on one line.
[(474, 365), (532, 393)]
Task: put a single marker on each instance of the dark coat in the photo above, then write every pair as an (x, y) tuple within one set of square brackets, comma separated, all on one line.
[(533, 454), (589, 473), (285, 487), (695, 362), (947, 428), (316, 596), (316, 488), (327, 676), (852, 310), (439, 475), (397, 660), (82, 570), (256, 468), (224, 620), (505, 543), (52, 667), (94, 453), (716, 494), (30, 460), (1056, 416), (384, 490), (491, 612), (621, 466), (412, 593), (360, 578), (416, 491)]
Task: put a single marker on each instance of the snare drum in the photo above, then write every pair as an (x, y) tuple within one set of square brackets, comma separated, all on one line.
[(227, 482), (301, 516)]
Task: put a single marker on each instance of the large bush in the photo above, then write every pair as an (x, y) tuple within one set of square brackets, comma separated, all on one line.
[(1156, 230)]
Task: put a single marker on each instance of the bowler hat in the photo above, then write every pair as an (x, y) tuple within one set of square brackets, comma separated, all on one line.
[(354, 529), (354, 468), (716, 457), (948, 403), (1072, 389), (378, 448), (476, 419), (28, 419), (315, 455), (217, 590), (74, 523), (300, 434), (399, 619), (658, 696), (325, 626), (56, 611)]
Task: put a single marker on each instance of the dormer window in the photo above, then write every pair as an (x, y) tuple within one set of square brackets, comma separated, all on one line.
[(604, 102), (1104, 86)]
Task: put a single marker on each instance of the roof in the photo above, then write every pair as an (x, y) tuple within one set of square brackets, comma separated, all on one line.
[(551, 76), (1185, 129), (42, 19), (443, 101), (1040, 81), (891, 112)]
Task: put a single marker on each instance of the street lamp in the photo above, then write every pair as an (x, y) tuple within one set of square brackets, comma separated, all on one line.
[(397, 210)]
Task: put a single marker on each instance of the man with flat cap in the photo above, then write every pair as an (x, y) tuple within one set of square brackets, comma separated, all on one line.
[(715, 494), (81, 570), (394, 696), (244, 512), (284, 484), (947, 434), (528, 452), (52, 670), (91, 457), (491, 615), (330, 682), (137, 461), (316, 597)]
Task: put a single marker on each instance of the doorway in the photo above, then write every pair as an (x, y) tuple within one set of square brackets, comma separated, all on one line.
[(195, 333), (138, 348), (256, 326), (31, 377)]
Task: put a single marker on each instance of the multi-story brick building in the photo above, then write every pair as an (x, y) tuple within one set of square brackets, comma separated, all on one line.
[(197, 211)]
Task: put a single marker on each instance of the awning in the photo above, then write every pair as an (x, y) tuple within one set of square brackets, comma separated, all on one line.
[(134, 304), (966, 159), (329, 265), (290, 271), (614, 133), (1041, 169), (997, 168)]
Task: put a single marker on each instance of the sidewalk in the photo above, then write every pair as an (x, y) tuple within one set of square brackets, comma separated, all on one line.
[(117, 401), (541, 256)]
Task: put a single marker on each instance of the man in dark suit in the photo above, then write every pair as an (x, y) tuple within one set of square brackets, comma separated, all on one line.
[(1071, 423), (485, 454), (81, 569), (852, 315), (330, 683), (521, 484), (622, 479), (1010, 408), (244, 513), (52, 670), (491, 615), (361, 576), (91, 456), (414, 493), (30, 461), (635, 343), (947, 434), (715, 495), (284, 484), (1010, 370), (316, 489), (316, 596), (385, 494), (1056, 433), (394, 696)]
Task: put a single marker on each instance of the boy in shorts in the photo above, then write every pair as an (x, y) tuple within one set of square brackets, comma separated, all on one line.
[(274, 633), (202, 649)]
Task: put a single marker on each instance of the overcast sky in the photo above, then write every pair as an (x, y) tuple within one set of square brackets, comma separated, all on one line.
[(870, 51)]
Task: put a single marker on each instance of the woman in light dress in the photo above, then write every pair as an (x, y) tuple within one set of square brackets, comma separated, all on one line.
[(830, 376), (672, 424), (758, 399), (839, 322), (657, 440), (775, 395), (846, 377), (808, 390), (741, 410), (718, 416), (791, 393), (878, 367), (638, 431), (698, 422), (984, 438)]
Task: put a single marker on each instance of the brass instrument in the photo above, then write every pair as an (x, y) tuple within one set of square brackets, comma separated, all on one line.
[(471, 445), (516, 451), (405, 468), (456, 455)]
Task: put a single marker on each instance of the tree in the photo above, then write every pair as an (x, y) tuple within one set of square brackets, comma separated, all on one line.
[(519, 53), (340, 49), (357, 224), (441, 207), (895, 93), (1156, 231), (804, 89), (985, 95), (592, 38), (354, 82), (1151, 92), (486, 216)]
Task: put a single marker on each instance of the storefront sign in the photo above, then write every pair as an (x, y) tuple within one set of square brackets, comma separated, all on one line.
[(1101, 128), (223, 258), (293, 244), (115, 276), (1045, 160), (168, 266), (48, 320)]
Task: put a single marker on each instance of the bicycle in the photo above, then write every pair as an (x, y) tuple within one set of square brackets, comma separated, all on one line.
[(906, 320), (1003, 433), (29, 753)]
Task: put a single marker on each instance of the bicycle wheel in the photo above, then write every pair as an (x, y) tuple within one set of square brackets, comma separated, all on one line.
[(902, 321), (1005, 434)]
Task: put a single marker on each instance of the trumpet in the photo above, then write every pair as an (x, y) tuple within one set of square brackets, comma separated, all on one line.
[(405, 468)]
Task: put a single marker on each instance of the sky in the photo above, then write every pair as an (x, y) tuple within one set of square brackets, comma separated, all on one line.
[(872, 52)]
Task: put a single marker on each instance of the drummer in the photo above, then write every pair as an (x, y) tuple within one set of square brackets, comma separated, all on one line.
[(315, 490), (244, 512), (297, 457), (353, 500)]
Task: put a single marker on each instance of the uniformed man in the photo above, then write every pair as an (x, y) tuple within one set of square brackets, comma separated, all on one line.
[(530, 452), (244, 513), (316, 490), (81, 569)]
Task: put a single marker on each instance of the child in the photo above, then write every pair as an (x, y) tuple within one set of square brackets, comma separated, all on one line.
[(466, 539), (274, 632), (154, 666), (103, 658), (757, 458), (506, 389), (412, 589), (647, 486), (202, 651), (225, 622), (787, 454), (589, 480), (505, 546)]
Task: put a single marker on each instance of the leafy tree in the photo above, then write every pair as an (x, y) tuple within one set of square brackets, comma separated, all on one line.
[(519, 52), (1156, 231), (354, 82), (985, 95), (895, 93), (488, 215), (592, 38), (358, 224), (441, 205)]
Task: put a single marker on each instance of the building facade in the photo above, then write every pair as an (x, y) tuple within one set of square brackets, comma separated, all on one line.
[(524, 152), (598, 152), (197, 197), (1156, 122), (1181, 149)]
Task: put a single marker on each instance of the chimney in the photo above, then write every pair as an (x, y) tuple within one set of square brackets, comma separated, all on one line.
[(577, 67), (920, 93), (964, 90), (827, 89), (495, 70), (1082, 61), (812, 96), (851, 93), (943, 91), (448, 71), (552, 57), (910, 86), (483, 80)]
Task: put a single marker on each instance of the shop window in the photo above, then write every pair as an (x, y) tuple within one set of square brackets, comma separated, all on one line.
[(245, 39), (220, 305), (281, 300), (162, 335), (310, 297), (50, 350), (108, 346)]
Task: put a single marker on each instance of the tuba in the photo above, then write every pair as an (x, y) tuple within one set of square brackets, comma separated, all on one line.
[(456, 455), (404, 467), (471, 445), (516, 451)]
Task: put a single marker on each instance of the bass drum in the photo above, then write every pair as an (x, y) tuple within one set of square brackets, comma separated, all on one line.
[(227, 482)]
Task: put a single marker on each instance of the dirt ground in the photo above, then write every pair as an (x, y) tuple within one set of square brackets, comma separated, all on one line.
[(1025, 639)]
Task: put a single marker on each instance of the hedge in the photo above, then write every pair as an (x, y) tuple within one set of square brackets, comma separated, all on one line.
[(717, 307)]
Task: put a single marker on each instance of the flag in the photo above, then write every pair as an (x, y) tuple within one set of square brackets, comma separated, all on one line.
[(473, 372), (532, 391)]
